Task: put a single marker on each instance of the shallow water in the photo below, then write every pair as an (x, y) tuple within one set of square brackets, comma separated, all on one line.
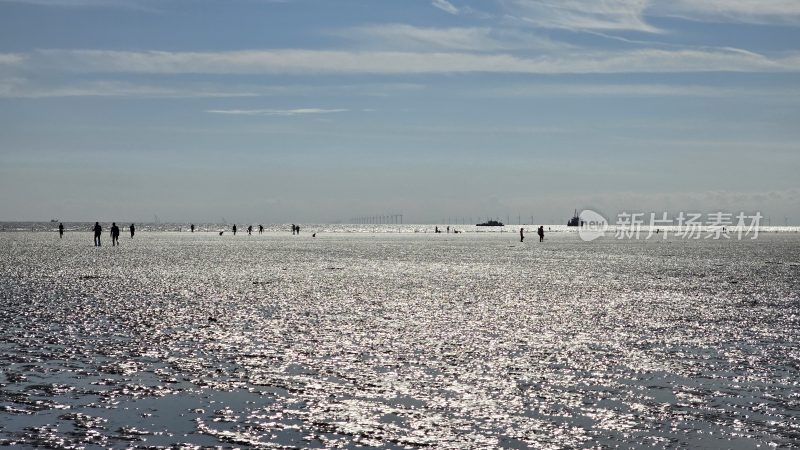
[(398, 340)]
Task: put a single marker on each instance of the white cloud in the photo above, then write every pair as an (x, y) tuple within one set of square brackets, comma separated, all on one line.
[(18, 87), (137, 5), (637, 90), (446, 6), (748, 11), (65, 3), (630, 15), (10, 58), (582, 14), (275, 112), (21, 88), (374, 62), (408, 37)]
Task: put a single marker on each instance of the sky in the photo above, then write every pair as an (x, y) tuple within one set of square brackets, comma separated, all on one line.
[(277, 111)]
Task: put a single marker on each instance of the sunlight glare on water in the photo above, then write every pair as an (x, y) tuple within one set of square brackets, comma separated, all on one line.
[(398, 340)]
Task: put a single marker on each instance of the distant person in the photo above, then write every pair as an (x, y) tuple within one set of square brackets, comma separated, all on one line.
[(234, 229), (298, 230), (114, 234), (249, 230), (294, 229), (436, 229), (541, 233), (191, 227), (98, 230), (61, 230), (260, 229), (448, 229), (521, 236), (133, 230)]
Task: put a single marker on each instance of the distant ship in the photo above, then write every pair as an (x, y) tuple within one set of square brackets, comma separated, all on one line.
[(491, 223), (575, 221)]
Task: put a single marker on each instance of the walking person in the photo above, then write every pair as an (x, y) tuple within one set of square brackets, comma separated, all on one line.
[(521, 236), (250, 230), (541, 233), (261, 229), (61, 230), (114, 234), (98, 230), (234, 229), (133, 230), (191, 227)]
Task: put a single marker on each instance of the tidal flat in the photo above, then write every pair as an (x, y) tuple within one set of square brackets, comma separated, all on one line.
[(398, 340)]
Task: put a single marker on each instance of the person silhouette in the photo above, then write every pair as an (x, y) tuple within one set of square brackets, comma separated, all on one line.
[(191, 227), (98, 230), (260, 229), (249, 230), (541, 233), (133, 230), (61, 230), (298, 229), (234, 229), (294, 229), (521, 236), (114, 234)]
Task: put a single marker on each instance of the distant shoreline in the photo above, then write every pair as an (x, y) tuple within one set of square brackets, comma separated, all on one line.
[(309, 228)]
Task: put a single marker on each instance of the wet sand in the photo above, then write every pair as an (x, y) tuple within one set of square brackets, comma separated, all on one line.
[(397, 341)]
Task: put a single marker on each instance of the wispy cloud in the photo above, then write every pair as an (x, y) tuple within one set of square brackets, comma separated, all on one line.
[(66, 3), (138, 5), (374, 62), (275, 112), (623, 15), (10, 58), (408, 37), (20, 87), (446, 6), (631, 15), (638, 90), (747, 11), (141, 5)]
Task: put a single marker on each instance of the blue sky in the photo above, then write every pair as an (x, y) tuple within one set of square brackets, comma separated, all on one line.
[(312, 110)]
